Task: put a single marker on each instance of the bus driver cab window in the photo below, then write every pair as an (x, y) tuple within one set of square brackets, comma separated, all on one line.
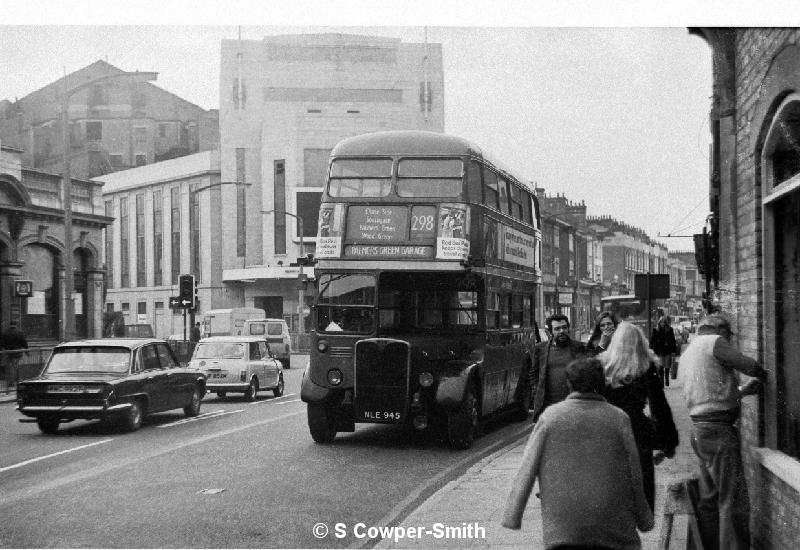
[(336, 321)]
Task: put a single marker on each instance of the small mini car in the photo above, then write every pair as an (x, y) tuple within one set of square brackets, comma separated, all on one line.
[(242, 364), (115, 378)]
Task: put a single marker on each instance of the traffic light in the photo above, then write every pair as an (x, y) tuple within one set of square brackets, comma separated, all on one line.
[(186, 291)]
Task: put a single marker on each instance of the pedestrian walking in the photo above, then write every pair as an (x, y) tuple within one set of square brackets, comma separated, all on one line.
[(583, 453), (631, 383), (663, 343), (708, 373), (194, 335), (10, 340), (604, 326), (548, 373)]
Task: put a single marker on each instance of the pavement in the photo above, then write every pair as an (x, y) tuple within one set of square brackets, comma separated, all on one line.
[(477, 500)]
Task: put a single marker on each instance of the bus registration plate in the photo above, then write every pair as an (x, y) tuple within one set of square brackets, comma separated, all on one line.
[(382, 416)]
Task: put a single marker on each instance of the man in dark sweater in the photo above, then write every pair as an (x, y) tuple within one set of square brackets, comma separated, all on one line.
[(550, 361)]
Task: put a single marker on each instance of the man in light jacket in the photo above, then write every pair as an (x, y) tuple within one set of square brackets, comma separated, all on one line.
[(583, 453), (711, 388)]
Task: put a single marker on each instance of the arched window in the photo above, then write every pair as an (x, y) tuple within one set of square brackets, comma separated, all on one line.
[(780, 179)]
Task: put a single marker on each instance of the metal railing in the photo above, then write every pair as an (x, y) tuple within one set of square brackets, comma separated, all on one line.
[(21, 364)]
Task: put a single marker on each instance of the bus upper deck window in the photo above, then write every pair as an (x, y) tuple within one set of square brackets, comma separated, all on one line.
[(430, 178), (360, 177)]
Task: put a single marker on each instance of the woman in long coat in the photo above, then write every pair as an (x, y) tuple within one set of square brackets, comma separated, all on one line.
[(631, 383)]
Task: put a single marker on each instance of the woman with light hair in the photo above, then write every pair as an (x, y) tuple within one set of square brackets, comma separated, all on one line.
[(632, 382)]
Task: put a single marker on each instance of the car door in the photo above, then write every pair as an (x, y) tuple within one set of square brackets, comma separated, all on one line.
[(180, 381), (155, 382), (271, 365)]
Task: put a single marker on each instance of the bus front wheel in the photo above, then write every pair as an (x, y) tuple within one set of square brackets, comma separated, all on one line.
[(321, 423), (463, 425)]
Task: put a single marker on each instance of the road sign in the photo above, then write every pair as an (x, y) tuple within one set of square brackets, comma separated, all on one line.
[(658, 286), (23, 288)]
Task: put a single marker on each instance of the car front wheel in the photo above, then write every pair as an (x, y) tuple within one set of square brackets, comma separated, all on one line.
[(278, 390), (193, 408), (48, 426), (133, 419)]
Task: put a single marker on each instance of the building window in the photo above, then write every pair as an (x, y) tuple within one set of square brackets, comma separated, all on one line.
[(780, 179), (115, 160), (124, 262), (158, 239), (162, 130), (109, 211), (141, 264), (94, 131), (279, 167), (241, 198), (194, 230), (141, 160), (425, 97), (308, 208), (141, 308), (239, 93), (175, 225)]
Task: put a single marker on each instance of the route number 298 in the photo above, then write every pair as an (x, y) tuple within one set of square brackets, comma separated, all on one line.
[(422, 223)]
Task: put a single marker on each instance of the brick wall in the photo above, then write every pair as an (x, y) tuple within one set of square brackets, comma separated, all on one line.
[(775, 504)]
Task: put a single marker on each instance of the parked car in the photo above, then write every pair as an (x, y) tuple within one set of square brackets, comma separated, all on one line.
[(122, 379), (276, 332), (242, 364)]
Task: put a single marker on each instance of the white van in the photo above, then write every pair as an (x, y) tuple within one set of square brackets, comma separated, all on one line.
[(229, 321), (276, 332)]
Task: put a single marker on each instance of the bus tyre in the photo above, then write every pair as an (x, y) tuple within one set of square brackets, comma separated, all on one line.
[(321, 423), (463, 425), (522, 406)]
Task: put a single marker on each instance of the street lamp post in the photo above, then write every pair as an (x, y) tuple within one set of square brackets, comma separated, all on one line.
[(66, 187), (301, 286)]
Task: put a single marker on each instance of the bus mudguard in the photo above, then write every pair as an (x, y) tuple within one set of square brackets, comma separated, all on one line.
[(453, 383), (312, 393)]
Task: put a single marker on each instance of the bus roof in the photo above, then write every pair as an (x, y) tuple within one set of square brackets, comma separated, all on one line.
[(414, 143)]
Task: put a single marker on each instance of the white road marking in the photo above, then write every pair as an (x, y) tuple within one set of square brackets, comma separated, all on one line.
[(204, 416), (274, 400), (290, 401), (5, 468)]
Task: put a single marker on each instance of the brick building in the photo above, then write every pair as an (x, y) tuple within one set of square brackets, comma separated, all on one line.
[(755, 201), (115, 124)]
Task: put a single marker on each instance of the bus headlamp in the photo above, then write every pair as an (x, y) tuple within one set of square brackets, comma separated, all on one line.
[(426, 380), (334, 377), (322, 346)]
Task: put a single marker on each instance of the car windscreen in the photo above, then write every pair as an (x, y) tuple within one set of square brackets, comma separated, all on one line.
[(106, 359), (219, 350), (256, 329), (274, 329)]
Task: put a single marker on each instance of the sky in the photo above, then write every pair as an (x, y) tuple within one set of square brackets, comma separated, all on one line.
[(604, 104)]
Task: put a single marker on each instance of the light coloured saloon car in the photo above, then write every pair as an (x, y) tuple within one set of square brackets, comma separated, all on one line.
[(238, 364)]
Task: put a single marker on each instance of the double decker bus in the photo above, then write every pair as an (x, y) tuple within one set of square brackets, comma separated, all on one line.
[(428, 283)]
